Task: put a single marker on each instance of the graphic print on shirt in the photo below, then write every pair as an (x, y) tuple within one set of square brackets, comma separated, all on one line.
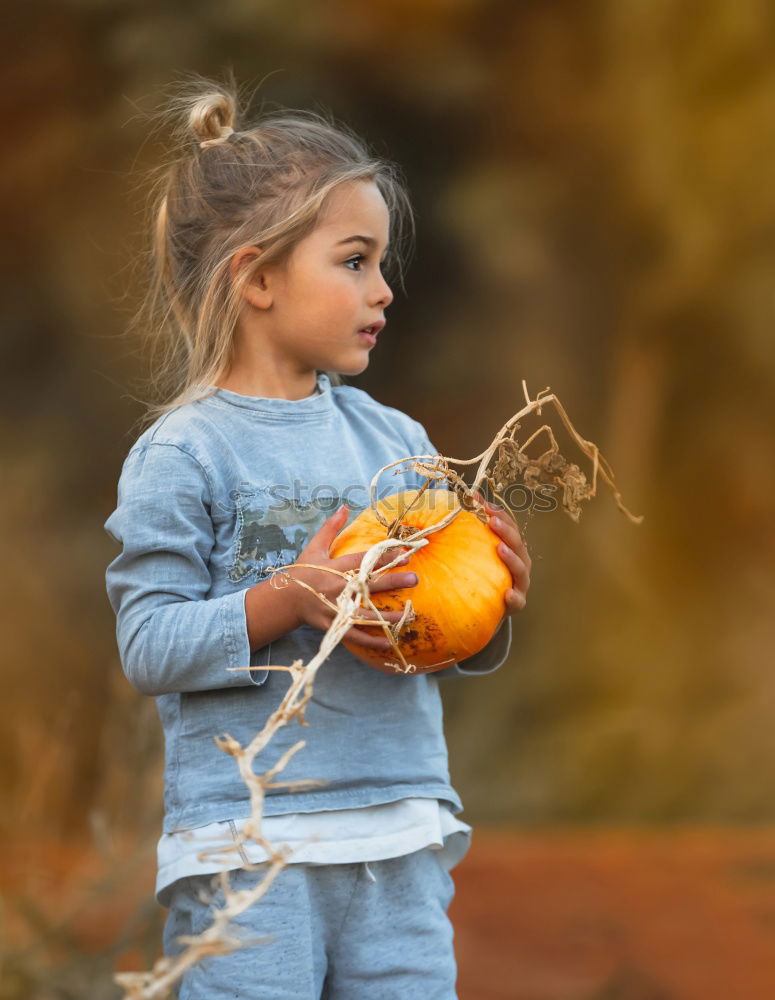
[(272, 531)]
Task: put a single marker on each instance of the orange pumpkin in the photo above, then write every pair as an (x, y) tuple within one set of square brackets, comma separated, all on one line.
[(459, 598)]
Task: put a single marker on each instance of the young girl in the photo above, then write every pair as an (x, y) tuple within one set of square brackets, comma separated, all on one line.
[(269, 247)]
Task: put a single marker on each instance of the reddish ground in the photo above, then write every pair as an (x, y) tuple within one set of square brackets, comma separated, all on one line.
[(550, 915), (610, 915)]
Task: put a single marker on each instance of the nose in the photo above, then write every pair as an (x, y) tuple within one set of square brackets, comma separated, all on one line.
[(383, 295)]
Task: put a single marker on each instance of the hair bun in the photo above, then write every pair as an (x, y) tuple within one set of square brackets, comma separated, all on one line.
[(212, 119), (226, 131)]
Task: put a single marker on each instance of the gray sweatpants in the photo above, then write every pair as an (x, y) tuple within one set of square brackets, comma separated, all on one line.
[(361, 931)]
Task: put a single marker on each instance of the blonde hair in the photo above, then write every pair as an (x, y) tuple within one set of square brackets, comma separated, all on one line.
[(234, 186)]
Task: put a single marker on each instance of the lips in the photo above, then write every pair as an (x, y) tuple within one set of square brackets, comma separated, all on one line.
[(374, 328)]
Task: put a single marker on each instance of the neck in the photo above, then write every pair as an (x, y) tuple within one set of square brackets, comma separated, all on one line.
[(258, 366), (270, 385)]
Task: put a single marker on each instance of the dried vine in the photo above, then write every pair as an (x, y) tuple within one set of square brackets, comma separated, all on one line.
[(504, 463)]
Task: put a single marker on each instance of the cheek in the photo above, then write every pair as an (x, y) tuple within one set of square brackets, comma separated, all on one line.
[(340, 300), (328, 302)]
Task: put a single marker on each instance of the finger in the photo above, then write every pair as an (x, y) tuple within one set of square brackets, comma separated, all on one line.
[(516, 543), (507, 529), (501, 514), (490, 507), (503, 522), (479, 497), (363, 638), (516, 566), (391, 616), (393, 581), (354, 559), (330, 528), (516, 600), (392, 554)]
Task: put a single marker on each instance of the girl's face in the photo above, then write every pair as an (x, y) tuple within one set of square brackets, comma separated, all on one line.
[(332, 285)]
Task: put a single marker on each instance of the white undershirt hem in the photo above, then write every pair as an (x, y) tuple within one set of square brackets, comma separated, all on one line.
[(340, 836)]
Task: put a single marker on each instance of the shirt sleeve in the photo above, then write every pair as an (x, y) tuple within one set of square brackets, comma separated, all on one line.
[(171, 636), (495, 653)]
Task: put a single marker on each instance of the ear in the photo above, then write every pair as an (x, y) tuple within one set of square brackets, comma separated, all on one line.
[(256, 291)]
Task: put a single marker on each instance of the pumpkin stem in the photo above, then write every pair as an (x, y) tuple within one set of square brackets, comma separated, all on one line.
[(396, 524)]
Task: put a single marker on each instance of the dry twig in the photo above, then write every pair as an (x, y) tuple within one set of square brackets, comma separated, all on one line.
[(504, 463)]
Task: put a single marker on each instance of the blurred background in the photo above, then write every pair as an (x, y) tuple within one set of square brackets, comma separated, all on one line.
[(595, 213)]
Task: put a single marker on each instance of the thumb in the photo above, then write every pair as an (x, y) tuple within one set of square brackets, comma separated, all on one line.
[(330, 528)]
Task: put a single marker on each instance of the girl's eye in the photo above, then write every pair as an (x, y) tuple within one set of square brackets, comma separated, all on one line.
[(360, 257)]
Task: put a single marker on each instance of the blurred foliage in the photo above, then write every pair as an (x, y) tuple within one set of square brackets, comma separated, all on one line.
[(595, 214)]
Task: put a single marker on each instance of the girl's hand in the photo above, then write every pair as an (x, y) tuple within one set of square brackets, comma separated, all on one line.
[(513, 553), (311, 610)]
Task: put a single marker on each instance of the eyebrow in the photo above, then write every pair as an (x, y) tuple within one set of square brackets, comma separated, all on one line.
[(368, 240)]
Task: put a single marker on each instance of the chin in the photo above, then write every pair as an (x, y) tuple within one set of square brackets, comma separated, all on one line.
[(354, 367)]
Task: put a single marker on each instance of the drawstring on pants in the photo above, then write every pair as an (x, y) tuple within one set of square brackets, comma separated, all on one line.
[(369, 871)]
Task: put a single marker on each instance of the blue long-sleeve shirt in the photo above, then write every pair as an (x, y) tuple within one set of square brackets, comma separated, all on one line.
[(210, 496)]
